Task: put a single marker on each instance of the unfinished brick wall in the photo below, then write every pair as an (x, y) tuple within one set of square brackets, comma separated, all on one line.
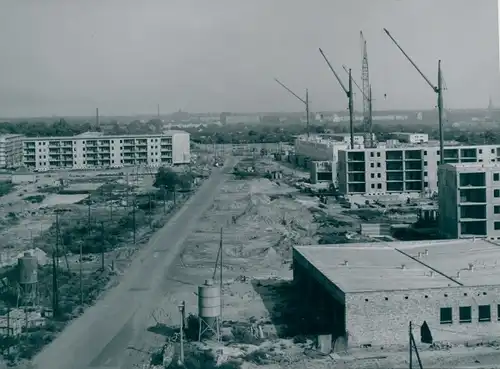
[(382, 318)]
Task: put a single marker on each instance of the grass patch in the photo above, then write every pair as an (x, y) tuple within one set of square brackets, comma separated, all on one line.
[(6, 187)]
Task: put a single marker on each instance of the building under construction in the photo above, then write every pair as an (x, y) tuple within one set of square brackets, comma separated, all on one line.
[(366, 294)]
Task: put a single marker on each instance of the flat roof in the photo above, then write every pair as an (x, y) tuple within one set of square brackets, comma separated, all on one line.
[(378, 266), (474, 165), (89, 135)]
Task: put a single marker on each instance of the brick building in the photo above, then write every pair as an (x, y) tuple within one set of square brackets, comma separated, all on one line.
[(368, 293)]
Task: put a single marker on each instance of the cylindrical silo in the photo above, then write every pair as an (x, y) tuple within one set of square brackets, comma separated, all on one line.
[(209, 308), (28, 269)]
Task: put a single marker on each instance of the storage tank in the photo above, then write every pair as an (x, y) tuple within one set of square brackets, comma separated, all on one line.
[(209, 302), (28, 269)]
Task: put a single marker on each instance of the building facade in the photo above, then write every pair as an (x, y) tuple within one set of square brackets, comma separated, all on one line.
[(366, 294), (469, 200), (403, 168), (94, 150), (11, 151)]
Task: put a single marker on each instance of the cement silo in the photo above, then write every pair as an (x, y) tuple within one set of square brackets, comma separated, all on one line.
[(209, 308), (28, 277)]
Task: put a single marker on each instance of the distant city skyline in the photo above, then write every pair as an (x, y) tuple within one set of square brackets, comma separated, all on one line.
[(125, 57)]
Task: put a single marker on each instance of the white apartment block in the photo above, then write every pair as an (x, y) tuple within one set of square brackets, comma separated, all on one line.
[(94, 150), (469, 200), (412, 138), (11, 151), (403, 168)]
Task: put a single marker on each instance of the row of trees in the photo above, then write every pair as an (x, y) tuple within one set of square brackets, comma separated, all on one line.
[(173, 181)]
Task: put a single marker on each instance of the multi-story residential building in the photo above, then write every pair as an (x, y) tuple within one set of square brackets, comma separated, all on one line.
[(93, 149), (469, 200), (11, 151), (403, 168)]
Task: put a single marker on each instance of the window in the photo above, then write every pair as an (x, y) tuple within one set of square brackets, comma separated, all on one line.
[(378, 165), (465, 314), (378, 155), (379, 175), (445, 316), (497, 226), (496, 176), (496, 193), (373, 185), (371, 154), (498, 312), (379, 186), (425, 163), (496, 209), (480, 151), (372, 175), (484, 313), (426, 174), (425, 152), (372, 165)]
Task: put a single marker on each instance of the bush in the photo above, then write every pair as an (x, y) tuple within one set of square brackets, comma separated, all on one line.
[(6, 187), (35, 199)]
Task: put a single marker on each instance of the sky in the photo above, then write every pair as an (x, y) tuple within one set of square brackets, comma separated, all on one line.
[(67, 57)]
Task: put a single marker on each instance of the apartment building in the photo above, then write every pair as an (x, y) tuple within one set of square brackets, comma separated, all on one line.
[(11, 151), (94, 150), (469, 200), (403, 168)]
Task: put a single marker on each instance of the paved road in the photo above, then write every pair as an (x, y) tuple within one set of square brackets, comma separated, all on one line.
[(99, 338)]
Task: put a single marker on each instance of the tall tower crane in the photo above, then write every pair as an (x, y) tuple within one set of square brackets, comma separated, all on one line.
[(366, 90), (437, 89), (303, 101), (349, 95)]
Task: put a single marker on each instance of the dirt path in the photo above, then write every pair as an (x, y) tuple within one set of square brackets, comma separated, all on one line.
[(100, 337)]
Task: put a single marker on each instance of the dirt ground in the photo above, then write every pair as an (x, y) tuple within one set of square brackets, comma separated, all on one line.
[(261, 220)]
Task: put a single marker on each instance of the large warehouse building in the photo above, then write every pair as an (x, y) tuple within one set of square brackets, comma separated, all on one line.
[(368, 293), (95, 150)]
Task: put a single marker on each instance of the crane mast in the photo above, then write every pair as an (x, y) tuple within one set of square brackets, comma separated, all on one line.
[(348, 93), (437, 89), (366, 90)]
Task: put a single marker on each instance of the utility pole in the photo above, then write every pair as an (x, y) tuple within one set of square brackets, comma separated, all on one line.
[(349, 95), (182, 308), (303, 101), (164, 200), (410, 358), (221, 273), (150, 212), (55, 299), (133, 216), (437, 89), (81, 254), (97, 121), (57, 238), (102, 246)]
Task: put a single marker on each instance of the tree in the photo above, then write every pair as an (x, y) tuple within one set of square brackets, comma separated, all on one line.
[(166, 177)]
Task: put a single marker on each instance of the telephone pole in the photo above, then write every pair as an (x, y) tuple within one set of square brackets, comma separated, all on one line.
[(133, 216), (102, 246)]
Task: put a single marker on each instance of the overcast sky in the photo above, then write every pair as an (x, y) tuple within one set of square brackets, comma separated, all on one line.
[(66, 57)]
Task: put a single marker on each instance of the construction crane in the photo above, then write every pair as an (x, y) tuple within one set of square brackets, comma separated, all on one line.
[(366, 89), (437, 89), (349, 94), (304, 101), (370, 99)]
